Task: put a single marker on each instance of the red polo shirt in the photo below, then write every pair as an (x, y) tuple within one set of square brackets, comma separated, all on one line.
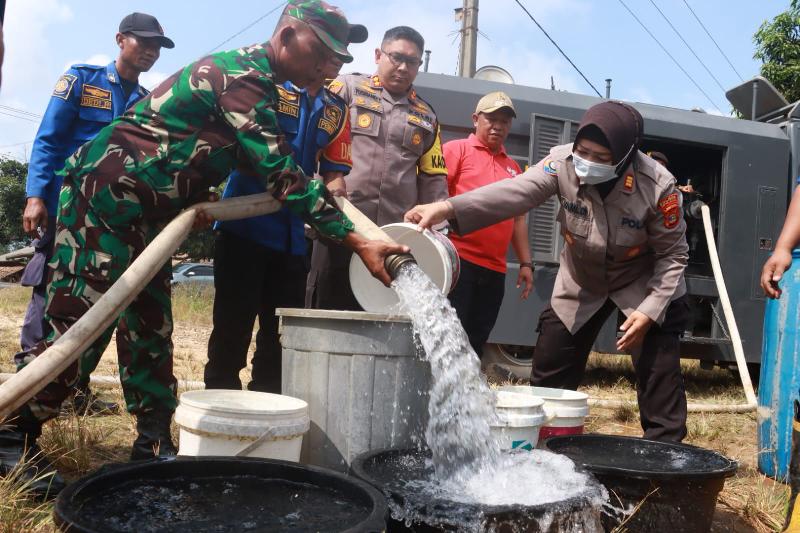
[(470, 164)]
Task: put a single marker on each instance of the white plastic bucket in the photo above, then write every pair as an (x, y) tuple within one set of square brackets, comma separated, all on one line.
[(241, 423), (568, 408), (519, 419), (435, 255)]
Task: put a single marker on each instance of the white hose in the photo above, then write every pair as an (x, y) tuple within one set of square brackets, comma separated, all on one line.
[(113, 381), (738, 350), (66, 349)]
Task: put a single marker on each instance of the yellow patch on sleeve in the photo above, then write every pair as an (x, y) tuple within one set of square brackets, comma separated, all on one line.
[(432, 161)]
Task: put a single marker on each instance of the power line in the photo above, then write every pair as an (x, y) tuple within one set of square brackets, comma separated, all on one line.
[(712, 39), (256, 21), (16, 144), (687, 45), (670, 55), (19, 117), (559, 48), (20, 111)]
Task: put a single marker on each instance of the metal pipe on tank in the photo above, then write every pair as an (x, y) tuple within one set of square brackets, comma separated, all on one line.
[(755, 100), (608, 88), (427, 59)]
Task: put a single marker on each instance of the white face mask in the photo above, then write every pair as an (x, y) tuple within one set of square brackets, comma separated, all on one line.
[(592, 173)]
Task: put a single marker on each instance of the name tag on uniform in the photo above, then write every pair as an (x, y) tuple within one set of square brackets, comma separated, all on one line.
[(422, 121), (97, 97), (288, 102)]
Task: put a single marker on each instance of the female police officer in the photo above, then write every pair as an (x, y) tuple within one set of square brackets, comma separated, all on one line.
[(625, 248)]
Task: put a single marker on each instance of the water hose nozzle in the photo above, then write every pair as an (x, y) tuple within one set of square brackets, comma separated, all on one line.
[(395, 261)]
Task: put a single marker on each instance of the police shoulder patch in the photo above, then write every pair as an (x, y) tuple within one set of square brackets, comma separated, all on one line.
[(670, 209), (64, 86), (335, 86), (550, 167)]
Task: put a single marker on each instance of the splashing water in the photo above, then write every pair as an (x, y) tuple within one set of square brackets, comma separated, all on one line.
[(467, 459), (461, 404)]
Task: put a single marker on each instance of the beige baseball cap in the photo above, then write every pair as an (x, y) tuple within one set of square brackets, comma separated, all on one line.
[(494, 101)]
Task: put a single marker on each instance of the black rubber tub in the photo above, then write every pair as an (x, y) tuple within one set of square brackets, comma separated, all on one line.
[(220, 494), (676, 484), (390, 470)]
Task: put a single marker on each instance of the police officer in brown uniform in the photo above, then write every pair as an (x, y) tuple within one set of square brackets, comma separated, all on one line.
[(625, 248), (397, 157)]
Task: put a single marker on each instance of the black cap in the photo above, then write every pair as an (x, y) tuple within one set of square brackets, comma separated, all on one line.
[(144, 25), (358, 33)]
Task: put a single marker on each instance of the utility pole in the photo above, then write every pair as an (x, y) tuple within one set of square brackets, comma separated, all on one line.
[(469, 38), (608, 88), (427, 59)]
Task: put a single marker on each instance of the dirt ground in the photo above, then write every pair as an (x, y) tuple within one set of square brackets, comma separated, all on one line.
[(749, 501)]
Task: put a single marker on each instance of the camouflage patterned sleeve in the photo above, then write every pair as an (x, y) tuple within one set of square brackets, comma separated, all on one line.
[(248, 106), (316, 206)]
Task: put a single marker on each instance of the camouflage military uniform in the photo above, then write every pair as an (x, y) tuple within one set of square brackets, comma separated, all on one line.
[(122, 187)]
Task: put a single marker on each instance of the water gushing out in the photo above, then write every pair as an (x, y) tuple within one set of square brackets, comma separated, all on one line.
[(467, 461)]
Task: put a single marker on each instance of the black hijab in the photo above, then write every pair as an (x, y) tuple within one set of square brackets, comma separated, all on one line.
[(615, 125)]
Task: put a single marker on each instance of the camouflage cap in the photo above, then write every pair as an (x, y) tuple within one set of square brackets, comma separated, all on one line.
[(329, 24)]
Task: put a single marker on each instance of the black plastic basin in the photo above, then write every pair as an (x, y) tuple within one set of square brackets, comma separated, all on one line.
[(676, 484), (220, 494), (391, 470)]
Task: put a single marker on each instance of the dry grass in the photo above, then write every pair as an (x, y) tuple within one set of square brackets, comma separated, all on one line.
[(79, 445)]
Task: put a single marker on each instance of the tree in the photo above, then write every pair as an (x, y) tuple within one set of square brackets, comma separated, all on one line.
[(778, 48), (12, 203)]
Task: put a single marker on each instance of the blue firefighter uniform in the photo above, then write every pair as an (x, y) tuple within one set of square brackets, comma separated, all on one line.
[(259, 262), (85, 99)]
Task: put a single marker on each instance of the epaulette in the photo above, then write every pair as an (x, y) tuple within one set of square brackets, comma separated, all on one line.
[(647, 167), (420, 103), (87, 66), (334, 87)]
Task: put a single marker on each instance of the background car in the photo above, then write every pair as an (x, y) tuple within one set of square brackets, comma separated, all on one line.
[(193, 273)]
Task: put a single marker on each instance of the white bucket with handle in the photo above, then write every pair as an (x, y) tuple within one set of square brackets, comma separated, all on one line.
[(239, 423), (519, 419), (568, 408), (434, 253)]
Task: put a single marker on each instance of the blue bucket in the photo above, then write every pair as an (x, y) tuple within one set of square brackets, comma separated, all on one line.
[(780, 375)]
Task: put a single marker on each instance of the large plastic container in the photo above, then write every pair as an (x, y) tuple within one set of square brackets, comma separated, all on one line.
[(365, 385), (220, 495), (780, 375), (567, 409), (519, 418), (241, 423), (674, 487), (434, 253), (399, 473)]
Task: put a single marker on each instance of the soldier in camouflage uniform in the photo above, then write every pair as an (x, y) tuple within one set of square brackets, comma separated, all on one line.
[(121, 188)]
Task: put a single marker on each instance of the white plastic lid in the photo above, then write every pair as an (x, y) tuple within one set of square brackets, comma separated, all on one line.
[(515, 399), (243, 402), (373, 295)]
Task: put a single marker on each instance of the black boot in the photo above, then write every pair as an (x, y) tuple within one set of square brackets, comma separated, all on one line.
[(153, 439), (85, 401), (793, 514), (18, 449)]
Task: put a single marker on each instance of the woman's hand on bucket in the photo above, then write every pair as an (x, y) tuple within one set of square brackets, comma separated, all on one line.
[(427, 215), (374, 253)]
